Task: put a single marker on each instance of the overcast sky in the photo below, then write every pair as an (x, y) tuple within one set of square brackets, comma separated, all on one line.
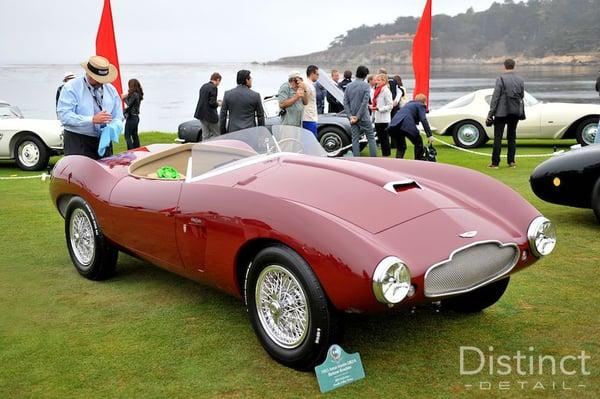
[(162, 31)]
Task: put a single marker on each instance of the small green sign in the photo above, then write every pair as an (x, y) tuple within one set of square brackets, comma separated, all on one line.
[(339, 369)]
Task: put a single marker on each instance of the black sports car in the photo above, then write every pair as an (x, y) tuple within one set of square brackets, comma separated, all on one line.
[(572, 179), (333, 129)]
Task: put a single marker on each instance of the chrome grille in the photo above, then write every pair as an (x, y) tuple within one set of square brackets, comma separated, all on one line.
[(470, 267)]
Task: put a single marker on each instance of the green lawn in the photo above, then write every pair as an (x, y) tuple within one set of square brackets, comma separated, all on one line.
[(149, 333)]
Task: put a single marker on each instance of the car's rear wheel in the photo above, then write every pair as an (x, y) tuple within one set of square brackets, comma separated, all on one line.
[(481, 298), (586, 131), (93, 257), (31, 153), (469, 134), (290, 313), (333, 139)]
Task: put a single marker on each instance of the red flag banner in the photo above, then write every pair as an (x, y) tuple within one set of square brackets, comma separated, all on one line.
[(106, 44), (421, 53)]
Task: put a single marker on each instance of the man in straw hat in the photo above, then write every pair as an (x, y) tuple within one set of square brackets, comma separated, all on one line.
[(86, 105)]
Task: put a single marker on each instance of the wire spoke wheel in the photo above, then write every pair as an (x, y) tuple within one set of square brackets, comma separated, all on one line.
[(82, 238), (282, 306)]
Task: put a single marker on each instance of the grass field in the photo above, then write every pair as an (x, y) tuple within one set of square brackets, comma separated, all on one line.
[(149, 333)]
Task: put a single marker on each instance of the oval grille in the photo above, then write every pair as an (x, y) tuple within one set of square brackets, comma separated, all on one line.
[(470, 267)]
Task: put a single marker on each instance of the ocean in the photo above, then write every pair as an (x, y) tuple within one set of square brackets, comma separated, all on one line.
[(171, 90)]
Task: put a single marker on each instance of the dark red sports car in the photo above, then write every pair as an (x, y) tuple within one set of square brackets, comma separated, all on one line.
[(302, 238)]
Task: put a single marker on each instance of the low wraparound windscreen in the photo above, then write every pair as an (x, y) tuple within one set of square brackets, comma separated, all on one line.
[(254, 143)]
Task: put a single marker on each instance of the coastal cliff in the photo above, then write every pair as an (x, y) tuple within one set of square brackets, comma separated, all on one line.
[(539, 32)]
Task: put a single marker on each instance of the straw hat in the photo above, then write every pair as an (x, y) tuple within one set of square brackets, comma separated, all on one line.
[(100, 69)]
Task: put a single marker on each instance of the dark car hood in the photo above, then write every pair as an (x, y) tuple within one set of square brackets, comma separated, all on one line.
[(353, 191)]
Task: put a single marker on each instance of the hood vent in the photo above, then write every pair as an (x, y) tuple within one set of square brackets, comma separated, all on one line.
[(401, 185)]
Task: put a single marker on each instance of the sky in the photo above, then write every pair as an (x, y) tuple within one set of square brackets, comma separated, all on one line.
[(180, 31)]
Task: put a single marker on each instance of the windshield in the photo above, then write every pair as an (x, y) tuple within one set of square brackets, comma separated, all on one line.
[(237, 148), (8, 111), (530, 100), (460, 102)]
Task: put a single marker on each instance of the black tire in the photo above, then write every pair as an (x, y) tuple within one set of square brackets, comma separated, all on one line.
[(469, 134), (100, 262), (323, 327), (596, 200), (333, 138), (582, 134), (481, 298), (31, 153)]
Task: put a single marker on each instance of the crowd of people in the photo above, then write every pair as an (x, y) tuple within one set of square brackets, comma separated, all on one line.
[(91, 110), (369, 100)]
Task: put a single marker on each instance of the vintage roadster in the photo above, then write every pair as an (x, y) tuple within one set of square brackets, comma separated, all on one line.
[(302, 238)]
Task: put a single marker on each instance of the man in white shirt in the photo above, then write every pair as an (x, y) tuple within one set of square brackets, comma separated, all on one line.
[(310, 116)]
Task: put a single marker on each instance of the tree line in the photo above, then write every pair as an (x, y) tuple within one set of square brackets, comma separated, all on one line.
[(536, 28)]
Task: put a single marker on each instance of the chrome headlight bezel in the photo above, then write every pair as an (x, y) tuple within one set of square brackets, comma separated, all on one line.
[(394, 271), (542, 236)]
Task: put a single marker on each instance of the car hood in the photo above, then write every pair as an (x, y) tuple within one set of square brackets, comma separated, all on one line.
[(355, 192)]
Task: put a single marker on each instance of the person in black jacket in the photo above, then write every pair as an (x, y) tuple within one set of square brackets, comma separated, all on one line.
[(206, 109), (132, 99), (506, 109), (334, 105), (404, 125), (346, 81)]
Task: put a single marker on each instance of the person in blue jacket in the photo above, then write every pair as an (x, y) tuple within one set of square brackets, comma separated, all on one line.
[(404, 125)]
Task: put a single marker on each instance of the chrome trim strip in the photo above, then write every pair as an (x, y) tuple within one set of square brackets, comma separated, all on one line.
[(449, 259), (390, 186)]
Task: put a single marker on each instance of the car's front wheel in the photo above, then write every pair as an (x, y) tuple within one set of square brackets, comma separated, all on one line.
[(586, 131), (31, 153), (481, 298), (469, 134), (290, 313), (93, 257)]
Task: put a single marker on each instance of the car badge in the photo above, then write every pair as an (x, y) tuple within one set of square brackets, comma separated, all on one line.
[(468, 234)]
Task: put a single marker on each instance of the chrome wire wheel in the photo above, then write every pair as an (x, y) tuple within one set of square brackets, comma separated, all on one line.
[(82, 238), (588, 132), (28, 153), (468, 134), (282, 306)]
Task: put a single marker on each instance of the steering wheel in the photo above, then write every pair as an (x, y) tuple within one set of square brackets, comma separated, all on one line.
[(297, 142)]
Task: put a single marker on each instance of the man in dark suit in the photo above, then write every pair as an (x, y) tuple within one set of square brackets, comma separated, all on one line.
[(242, 105), (206, 109), (404, 125), (356, 105), (506, 109)]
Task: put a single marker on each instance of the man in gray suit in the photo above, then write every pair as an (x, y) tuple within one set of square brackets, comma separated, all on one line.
[(242, 105), (506, 109), (356, 105)]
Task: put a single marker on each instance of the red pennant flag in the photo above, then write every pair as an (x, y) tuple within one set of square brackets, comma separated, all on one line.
[(106, 44), (421, 53)]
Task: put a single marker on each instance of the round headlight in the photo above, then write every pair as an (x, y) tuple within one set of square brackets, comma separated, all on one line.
[(391, 280), (542, 236)]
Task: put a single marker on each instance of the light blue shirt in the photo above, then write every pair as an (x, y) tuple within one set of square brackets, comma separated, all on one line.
[(76, 106)]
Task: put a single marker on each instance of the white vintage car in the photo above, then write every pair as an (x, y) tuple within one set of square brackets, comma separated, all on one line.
[(30, 142), (464, 118)]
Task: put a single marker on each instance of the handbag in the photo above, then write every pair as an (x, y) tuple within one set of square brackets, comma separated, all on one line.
[(430, 153)]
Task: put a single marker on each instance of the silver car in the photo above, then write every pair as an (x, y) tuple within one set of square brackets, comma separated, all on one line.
[(333, 129)]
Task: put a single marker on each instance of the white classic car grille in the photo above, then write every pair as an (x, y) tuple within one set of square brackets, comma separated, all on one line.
[(470, 267)]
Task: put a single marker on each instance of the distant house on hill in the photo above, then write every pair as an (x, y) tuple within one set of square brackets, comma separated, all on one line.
[(396, 37)]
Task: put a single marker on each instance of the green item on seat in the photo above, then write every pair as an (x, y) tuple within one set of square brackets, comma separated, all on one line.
[(167, 172)]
